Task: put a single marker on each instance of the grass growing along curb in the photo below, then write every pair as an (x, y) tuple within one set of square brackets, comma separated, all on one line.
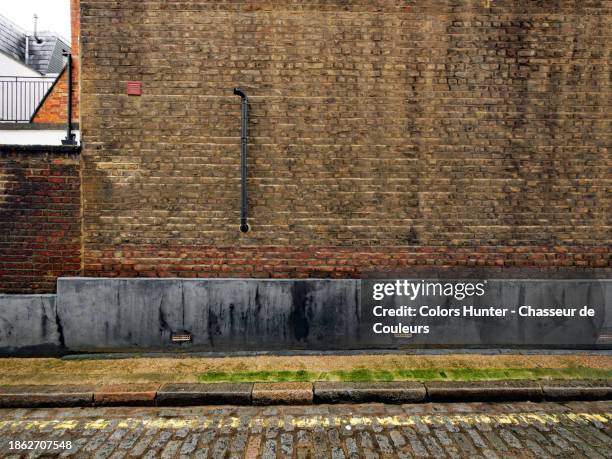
[(429, 374), (302, 368)]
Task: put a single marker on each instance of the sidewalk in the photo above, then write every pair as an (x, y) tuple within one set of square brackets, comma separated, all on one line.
[(304, 368), (261, 380)]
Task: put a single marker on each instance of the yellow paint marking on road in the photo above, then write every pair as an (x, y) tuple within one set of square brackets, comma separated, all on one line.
[(98, 424), (37, 424), (163, 423), (597, 417), (355, 421), (506, 419), (207, 423), (69, 425), (438, 420), (530, 418), (586, 417), (309, 422), (479, 418), (548, 418), (124, 425)]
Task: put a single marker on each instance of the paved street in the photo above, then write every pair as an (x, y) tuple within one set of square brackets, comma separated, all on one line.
[(337, 431)]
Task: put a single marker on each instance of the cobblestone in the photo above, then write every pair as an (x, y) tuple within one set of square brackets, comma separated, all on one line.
[(576, 430)]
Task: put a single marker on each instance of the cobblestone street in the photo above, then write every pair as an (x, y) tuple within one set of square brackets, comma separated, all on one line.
[(336, 431)]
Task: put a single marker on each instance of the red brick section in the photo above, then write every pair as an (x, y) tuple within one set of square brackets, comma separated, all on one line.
[(338, 262), (39, 219), (54, 107)]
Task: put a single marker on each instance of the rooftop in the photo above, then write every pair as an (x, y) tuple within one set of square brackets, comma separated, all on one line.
[(45, 55)]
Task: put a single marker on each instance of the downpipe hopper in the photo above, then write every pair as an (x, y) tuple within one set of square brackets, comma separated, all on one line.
[(244, 147), (240, 92)]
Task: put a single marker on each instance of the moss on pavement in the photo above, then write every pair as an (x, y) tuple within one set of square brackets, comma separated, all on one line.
[(304, 368), (433, 374)]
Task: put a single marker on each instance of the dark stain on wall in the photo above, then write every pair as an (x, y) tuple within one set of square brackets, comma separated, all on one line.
[(299, 310)]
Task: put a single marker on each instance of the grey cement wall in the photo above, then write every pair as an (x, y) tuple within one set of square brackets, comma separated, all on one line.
[(511, 329), (29, 325), (95, 315), (234, 314)]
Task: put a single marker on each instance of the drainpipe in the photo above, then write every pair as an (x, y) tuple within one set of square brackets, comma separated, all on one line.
[(244, 145), (70, 137)]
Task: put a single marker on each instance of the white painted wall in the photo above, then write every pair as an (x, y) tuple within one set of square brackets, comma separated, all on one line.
[(12, 67), (34, 136)]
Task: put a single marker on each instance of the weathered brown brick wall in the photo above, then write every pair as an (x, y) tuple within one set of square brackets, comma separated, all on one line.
[(383, 134), (39, 218)]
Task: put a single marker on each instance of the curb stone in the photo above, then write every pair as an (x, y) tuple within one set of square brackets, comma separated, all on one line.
[(559, 390), (366, 392), (204, 394), (47, 396), (126, 395), (292, 393), (484, 391)]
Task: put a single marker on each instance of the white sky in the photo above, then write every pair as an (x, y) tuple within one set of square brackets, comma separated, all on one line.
[(53, 15)]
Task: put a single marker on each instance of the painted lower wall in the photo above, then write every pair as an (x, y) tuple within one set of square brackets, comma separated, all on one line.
[(35, 137), (142, 315), (29, 325)]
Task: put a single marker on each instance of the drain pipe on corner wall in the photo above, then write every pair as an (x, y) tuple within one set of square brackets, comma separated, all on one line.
[(244, 146), (70, 137)]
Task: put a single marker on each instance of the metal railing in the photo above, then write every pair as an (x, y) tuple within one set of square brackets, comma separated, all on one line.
[(20, 97)]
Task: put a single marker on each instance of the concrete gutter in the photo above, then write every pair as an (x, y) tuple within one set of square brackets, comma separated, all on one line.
[(29, 396)]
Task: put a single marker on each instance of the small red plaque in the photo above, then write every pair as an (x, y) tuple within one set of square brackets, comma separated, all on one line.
[(134, 88)]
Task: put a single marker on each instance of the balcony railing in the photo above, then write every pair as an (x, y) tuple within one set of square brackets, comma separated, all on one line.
[(20, 97)]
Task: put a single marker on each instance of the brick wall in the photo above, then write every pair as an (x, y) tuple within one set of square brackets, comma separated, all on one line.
[(383, 134), (54, 108), (39, 218)]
